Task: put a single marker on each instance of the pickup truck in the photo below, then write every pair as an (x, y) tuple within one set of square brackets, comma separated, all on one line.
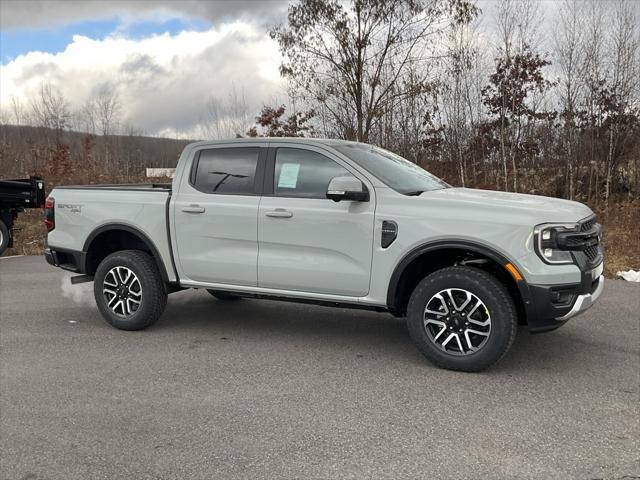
[(16, 195), (334, 223)]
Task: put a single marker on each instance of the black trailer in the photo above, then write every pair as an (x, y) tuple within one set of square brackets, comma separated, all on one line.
[(15, 196)]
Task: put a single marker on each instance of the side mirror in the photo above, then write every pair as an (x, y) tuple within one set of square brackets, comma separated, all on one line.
[(347, 188)]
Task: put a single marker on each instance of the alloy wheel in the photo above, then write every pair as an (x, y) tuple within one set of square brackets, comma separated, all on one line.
[(457, 321), (122, 291)]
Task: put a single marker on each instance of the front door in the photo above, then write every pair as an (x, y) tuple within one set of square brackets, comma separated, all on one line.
[(307, 242), (216, 212)]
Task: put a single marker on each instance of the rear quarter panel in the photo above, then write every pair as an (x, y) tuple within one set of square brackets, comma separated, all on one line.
[(79, 212)]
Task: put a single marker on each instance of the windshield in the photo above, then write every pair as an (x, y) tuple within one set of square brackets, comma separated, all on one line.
[(396, 172)]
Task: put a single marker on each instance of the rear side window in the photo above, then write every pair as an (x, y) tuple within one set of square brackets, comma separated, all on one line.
[(226, 170), (304, 173)]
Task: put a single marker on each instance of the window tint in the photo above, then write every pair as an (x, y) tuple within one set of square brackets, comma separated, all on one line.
[(227, 170), (304, 173)]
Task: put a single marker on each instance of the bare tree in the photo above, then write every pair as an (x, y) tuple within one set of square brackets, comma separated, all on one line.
[(351, 61), (518, 29), (50, 109), (5, 116), (227, 117), (569, 39), (20, 115), (594, 45), (107, 107), (518, 23), (461, 95), (87, 117), (100, 114), (625, 69)]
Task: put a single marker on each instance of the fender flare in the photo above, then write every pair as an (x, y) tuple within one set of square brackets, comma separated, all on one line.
[(476, 247), (132, 230)]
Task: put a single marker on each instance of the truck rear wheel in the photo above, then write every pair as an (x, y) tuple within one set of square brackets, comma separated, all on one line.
[(4, 237), (129, 290), (462, 318)]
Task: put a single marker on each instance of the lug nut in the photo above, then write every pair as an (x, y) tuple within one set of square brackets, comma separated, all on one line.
[(466, 323)]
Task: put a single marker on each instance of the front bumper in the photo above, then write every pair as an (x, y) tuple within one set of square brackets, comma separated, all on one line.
[(552, 305), (584, 301)]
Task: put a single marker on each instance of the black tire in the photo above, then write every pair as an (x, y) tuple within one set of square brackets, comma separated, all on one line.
[(224, 296), (4, 237), (490, 291), (153, 296)]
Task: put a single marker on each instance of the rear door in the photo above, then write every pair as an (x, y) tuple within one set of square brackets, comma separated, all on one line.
[(215, 214), (307, 242)]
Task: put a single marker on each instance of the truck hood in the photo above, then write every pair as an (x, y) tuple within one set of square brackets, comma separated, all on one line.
[(536, 208)]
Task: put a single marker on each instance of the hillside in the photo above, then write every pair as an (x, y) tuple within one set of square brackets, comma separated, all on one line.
[(26, 150)]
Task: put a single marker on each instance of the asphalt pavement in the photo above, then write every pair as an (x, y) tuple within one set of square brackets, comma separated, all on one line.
[(262, 389)]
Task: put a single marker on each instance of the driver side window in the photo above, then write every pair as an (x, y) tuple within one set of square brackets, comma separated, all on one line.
[(304, 173)]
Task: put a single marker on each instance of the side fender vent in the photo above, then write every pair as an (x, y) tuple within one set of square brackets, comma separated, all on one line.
[(389, 232)]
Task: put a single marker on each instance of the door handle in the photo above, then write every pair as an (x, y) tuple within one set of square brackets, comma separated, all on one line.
[(279, 213), (193, 209)]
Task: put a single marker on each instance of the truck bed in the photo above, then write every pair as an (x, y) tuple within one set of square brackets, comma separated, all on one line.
[(18, 193), (83, 211)]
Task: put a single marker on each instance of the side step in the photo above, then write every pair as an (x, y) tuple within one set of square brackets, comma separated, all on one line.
[(81, 279)]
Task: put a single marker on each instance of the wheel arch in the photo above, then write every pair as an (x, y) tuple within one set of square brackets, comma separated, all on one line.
[(114, 237), (429, 257)]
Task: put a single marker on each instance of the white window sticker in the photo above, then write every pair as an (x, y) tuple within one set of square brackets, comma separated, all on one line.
[(288, 175)]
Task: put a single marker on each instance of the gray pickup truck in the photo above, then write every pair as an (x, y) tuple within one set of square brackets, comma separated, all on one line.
[(333, 223)]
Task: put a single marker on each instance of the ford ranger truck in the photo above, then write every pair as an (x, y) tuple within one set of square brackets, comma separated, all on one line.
[(334, 223)]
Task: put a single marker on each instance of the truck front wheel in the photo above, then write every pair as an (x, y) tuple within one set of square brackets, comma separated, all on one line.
[(462, 318), (129, 290)]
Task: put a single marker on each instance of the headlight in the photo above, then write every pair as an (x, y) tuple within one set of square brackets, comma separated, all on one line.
[(546, 244)]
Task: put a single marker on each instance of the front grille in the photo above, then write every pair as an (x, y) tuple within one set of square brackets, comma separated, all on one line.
[(573, 242), (588, 224), (593, 253)]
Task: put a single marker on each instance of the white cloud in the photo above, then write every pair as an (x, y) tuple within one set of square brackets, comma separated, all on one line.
[(48, 13), (163, 81)]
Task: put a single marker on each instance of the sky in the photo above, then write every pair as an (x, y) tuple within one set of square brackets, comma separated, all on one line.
[(165, 59)]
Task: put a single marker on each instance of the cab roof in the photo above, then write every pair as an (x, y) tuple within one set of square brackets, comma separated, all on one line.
[(298, 140)]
